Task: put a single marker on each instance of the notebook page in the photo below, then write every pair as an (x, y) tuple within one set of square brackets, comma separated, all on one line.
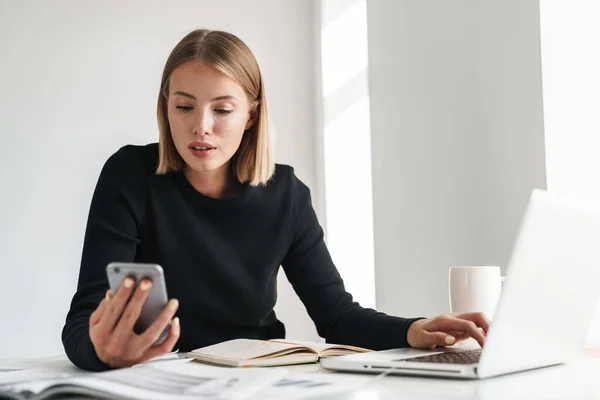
[(321, 347), (243, 349)]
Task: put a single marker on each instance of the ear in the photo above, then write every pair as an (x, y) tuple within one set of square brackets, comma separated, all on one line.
[(252, 118)]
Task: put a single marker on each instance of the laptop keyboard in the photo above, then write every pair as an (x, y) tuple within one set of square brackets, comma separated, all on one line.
[(470, 356)]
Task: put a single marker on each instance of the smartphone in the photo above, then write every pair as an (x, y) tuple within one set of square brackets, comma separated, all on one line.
[(157, 299)]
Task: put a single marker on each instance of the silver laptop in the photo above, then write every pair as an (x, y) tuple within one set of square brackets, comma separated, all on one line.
[(549, 296)]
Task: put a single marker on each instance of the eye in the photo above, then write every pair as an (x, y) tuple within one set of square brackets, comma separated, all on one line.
[(223, 111), (185, 108)]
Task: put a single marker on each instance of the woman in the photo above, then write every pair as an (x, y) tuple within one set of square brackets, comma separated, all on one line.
[(209, 205)]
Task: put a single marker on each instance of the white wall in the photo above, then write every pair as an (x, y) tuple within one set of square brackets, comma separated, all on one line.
[(457, 140), (346, 144), (511, 152), (570, 33), (78, 81)]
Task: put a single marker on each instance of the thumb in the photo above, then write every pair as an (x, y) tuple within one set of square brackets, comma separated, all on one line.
[(439, 339), (99, 312)]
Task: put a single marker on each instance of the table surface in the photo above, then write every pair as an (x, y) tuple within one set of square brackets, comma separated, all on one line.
[(579, 379)]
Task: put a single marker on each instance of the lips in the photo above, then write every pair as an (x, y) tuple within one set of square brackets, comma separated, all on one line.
[(202, 149), (202, 146)]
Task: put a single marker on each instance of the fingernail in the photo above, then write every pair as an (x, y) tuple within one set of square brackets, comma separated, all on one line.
[(450, 340), (128, 283), (173, 304), (108, 295), (145, 285), (176, 322)]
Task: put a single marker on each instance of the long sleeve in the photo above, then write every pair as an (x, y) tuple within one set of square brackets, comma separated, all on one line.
[(220, 258), (116, 213), (315, 279)]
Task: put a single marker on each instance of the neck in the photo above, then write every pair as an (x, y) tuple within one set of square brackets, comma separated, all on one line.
[(218, 184)]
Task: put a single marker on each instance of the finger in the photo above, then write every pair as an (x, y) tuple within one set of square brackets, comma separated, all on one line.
[(449, 324), (168, 344), (151, 335), (124, 328), (478, 318), (439, 339), (460, 336), (115, 307), (99, 311)]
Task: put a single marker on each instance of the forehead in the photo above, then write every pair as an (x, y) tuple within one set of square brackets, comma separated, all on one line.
[(203, 81)]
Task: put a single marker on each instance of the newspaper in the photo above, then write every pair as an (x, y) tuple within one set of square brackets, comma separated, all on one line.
[(174, 379), (177, 379), (310, 385), (19, 364)]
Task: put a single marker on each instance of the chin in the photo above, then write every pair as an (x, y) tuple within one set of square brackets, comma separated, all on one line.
[(204, 166)]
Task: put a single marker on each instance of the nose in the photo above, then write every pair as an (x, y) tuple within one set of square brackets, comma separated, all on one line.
[(203, 123)]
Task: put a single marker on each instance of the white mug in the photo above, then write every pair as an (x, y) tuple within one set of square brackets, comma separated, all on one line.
[(474, 288)]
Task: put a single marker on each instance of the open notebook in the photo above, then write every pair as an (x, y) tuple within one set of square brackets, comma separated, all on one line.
[(267, 353)]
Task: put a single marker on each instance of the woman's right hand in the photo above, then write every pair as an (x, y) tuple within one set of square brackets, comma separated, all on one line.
[(111, 327)]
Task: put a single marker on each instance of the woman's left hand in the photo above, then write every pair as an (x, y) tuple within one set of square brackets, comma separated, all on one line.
[(446, 330)]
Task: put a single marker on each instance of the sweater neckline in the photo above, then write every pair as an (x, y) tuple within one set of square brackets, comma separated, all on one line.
[(196, 196)]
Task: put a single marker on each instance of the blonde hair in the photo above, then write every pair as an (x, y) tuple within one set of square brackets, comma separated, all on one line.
[(253, 162)]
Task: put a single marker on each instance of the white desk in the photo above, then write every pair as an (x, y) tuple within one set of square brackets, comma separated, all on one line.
[(578, 380)]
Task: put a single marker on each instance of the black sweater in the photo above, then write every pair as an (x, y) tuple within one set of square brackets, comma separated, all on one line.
[(220, 258)]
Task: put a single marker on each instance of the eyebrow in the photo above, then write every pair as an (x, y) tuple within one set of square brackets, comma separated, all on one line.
[(225, 97)]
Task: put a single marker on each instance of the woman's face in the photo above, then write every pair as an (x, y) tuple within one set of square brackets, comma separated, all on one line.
[(208, 113)]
